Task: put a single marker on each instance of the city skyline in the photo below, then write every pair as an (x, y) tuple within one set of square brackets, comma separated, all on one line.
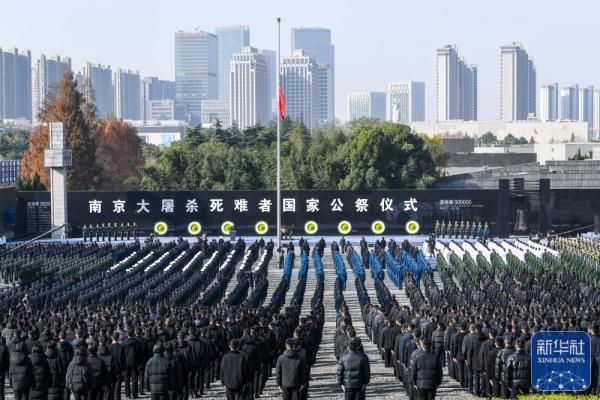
[(151, 50)]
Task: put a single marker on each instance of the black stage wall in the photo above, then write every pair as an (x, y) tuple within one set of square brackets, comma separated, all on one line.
[(559, 209), (246, 208)]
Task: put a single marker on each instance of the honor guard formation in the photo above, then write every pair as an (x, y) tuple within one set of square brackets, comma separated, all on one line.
[(111, 318)]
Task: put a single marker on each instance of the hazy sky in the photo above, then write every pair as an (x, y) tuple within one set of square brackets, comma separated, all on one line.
[(376, 42)]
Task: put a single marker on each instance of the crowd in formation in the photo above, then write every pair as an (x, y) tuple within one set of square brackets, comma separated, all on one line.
[(101, 320), (462, 229)]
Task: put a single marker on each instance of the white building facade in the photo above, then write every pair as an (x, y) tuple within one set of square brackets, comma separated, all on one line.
[(213, 111), (250, 101), (161, 110), (548, 103), (406, 102), (47, 74), (517, 83), (300, 76), (456, 86), (98, 88), (127, 94), (366, 105)]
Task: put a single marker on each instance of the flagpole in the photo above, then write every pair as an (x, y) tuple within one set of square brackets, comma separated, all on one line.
[(278, 208)]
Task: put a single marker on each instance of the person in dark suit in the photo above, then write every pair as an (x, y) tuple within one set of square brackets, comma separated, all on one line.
[(426, 372), (291, 371), (234, 372), (354, 372)]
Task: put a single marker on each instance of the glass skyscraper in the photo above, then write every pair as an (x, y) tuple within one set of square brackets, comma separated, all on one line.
[(232, 39), (316, 44), (15, 84), (196, 70)]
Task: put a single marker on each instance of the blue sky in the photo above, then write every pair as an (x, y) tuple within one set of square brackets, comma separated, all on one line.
[(376, 41)]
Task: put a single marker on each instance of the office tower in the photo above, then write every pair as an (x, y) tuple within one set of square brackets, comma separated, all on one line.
[(212, 111), (127, 94), (153, 88), (549, 103), (80, 82), (15, 84), (48, 72), (569, 103), (517, 83), (406, 102), (300, 77), (249, 95), (271, 58), (366, 105), (456, 82), (232, 39), (586, 105), (98, 88), (316, 44), (161, 109), (596, 116), (196, 67)]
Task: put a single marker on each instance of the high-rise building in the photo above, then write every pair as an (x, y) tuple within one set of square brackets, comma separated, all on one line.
[(161, 110), (271, 58), (569, 103), (127, 94), (586, 105), (316, 44), (548, 103), (232, 39), (196, 71), (98, 88), (300, 77), (47, 74), (596, 116), (406, 102), (153, 88), (456, 86), (250, 103), (366, 105), (517, 83), (15, 84), (213, 111)]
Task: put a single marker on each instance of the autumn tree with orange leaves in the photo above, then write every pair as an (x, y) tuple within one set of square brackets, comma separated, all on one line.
[(67, 105), (119, 153), (106, 153)]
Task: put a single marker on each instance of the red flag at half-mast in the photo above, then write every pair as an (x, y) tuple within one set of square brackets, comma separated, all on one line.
[(281, 104)]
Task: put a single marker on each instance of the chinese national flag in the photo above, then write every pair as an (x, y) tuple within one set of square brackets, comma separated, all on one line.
[(281, 103)]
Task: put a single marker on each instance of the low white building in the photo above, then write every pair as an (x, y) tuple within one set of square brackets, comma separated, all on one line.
[(541, 132), (160, 133), (161, 110), (564, 151), (213, 110)]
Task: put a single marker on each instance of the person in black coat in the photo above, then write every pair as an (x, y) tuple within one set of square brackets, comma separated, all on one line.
[(41, 374), (518, 371), (501, 362), (426, 372), (354, 372), (4, 364), (291, 371), (79, 375), (118, 353), (234, 372), (456, 351), (159, 375), (133, 360), (99, 373), (112, 371), (20, 372), (56, 390)]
